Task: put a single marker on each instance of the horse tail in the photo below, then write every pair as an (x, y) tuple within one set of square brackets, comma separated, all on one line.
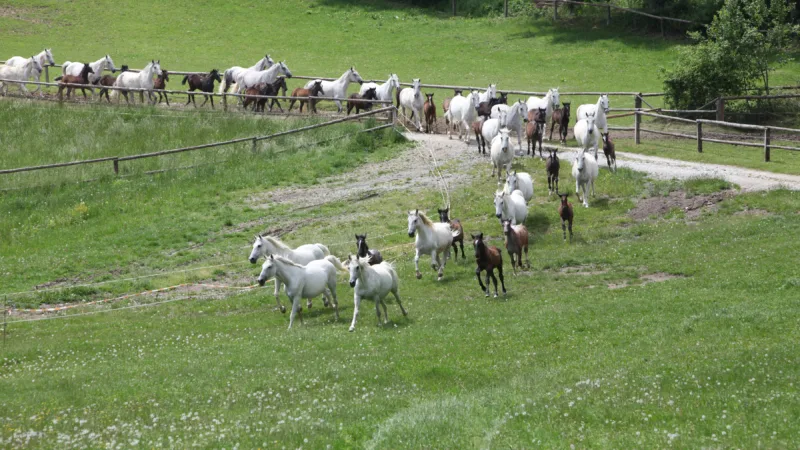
[(456, 233), (223, 86), (64, 68), (397, 96), (58, 78), (324, 249), (336, 263), (185, 79)]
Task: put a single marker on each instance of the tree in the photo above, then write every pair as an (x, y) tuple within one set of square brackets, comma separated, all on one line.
[(746, 41)]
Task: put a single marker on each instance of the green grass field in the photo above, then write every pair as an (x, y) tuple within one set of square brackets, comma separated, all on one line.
[(676, 329)]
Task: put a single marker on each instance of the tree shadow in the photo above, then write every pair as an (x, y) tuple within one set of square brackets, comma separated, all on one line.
[(538, 222), (376, 6)]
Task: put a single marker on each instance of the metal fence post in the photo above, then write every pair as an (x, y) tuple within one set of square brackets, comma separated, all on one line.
[(699, 137), (766, 144), (721, 109)]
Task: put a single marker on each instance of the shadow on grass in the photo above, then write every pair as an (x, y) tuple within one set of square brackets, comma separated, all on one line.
[(381, 6)]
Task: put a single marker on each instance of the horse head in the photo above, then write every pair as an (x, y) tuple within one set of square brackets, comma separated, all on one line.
[(554, 97), (258, 249), (499, 201), (579, 160), (511, 180), (444, 215), (37, 66), (413, 222), (477, 242), (429, 97), (604, 102), (354, 77), (503, 99), (267, 270), (316, 89), (371, 94), (49, 54), (285, 69), (506, 226), (109, 64)]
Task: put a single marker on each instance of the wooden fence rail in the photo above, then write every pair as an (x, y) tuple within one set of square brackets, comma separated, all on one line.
[(767, 130), (608, 7), (252, 139)]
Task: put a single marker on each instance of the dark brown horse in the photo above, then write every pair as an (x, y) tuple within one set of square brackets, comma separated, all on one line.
[(608, 150), (560, 117), (485, 108), (429, 110), (534, 129), (516, 243), (108, 80), (265, 89), (355, 101), (565, 211), (488, 258), (202, 82), (364, 251), (161, 83), (477, 128), (83, 78), (455, 225), (301, 95), (552, 165)]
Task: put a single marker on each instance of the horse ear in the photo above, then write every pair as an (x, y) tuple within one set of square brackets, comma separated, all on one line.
[(416, 212)]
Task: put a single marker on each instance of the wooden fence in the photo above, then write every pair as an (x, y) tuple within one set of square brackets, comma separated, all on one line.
[(608, 7), (698, 136), (115, 160)]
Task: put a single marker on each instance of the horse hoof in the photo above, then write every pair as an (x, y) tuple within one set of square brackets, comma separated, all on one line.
[(283, 309), (352, 329), (495, 295), (419, 275)]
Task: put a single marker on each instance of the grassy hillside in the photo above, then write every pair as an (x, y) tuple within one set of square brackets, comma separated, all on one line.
[(325, 38)]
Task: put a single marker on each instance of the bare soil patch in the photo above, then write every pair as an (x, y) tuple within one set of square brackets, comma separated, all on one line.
[(658, 277), (692, 206)]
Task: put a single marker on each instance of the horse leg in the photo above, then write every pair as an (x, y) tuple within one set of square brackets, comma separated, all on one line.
[(564, 229), (570, 231), (166, 99), (435, 262), (378, 310), (527, 261), (513, 266), (502, 281), (204, 101), (335, 301), (339, 105), (188, 99), (419, 125), (211, 97), (385, 312), (578, 189), (483, 288), (463, 255), (488, 283), (397, 297), (416, 264), (277, 296), (356, 304), (494, 280)]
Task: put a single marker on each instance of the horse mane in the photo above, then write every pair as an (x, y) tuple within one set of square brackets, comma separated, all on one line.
[(277, 243), (287, 261), (425, 219)]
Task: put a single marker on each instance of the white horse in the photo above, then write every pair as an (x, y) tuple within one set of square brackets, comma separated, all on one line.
[(45, 58), (599, 110), (383, 91), (510, 207), (303, 281), (104, 63), (501, 153), (463, 111), (521, 181), (18, 74), (432, 239), (584, 170), (375, 283), (516, 116), (138, 80), (587, 134), (488, 94), (230, 75), (548, 103), (268, 245), (412, 99), (250, 78), (338, 87), (491, 128)]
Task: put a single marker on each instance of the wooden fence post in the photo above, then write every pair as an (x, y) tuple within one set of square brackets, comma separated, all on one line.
[(608, 15), (225, 101), (637, 118), (454, 7), (116, 166), (46, 74), (255, 145), (699, 137), (721, 109), (505, 8), (393, 116), (766, 144), (555, 10), (663, 35)]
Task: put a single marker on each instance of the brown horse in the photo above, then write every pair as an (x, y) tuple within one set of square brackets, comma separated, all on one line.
[(455, 225), (608, 150), (565, 211), (485, 108), (560, 117), (534, 129), (108, 80), (552, 165), (516, 243), (355, 101), (161, 83), (301, 94), (429, 109), (83, 78), (202, 82), (364, 251), (477, 128), (265, 89), (488, 258)]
